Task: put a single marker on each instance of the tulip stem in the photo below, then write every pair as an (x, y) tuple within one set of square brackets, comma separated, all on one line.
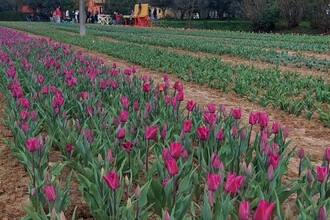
[(147, 153), (33, 172), (137, 210), (299, 171), (173, 191), (249, 138), (114, 204)]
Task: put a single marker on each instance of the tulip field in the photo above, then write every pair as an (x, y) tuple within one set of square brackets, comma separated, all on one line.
[(137, 148)]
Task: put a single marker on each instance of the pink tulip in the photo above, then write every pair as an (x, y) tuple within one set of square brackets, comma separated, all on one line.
[(190, 105), (89, 135), (69, 147), (244, 210), (32, 144), (220, 135), (210, 197), (49, 192), (184, 154), (163, 131), (264, 210), (327, 154), (123, 116), (234, 130), (112, 180), (253, 118), (151, 132), (178, 86), (301, 153), (83, 95), (213, 181), (270, 172), (187, 126), (25, 103), (109, 156), (166, 153), (211, 108), (166, 215), (128, 146), (274, 160), (90, 110), (216, 163), (136, 105), (285, 132), (171, 166), (321, 173), (263, 119), (275, 127), (33, 115), (179, 96), (236, 113), (121, 133), (322, 214), (124, 101), (203, 132), (233, 183), (24, 114), (210, 118), (127, 71), (146, 87), (176, 149)]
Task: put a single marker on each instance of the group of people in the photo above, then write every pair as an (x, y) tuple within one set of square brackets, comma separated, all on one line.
[(58, 16)]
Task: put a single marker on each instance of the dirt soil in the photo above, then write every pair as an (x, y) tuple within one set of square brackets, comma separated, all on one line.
[(313, 136)]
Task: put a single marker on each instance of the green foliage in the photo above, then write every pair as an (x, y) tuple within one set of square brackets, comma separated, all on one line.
[(13, 16)]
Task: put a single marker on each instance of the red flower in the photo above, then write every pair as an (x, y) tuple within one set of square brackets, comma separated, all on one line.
[(236, 113), (121, 133), (128, 146), (203, 132), (264, 210), (112, 180), (187, 126), (244, 210), (32, 144), (233, 183), (171, 166), (151, 132), (123, 116), (190, 105), (176, 149), (321, 173), (213, 181), (49, 192)]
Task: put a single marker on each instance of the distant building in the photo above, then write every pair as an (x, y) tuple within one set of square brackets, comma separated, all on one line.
[(95, 6), (26, 9)]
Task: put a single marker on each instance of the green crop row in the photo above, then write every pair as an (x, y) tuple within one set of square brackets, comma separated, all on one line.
[(207, 45), (285, 90)]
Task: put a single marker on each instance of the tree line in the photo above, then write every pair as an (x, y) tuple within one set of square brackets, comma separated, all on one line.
[(263, 14)]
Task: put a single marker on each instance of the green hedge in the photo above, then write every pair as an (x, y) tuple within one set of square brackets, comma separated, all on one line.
[(12, 16)]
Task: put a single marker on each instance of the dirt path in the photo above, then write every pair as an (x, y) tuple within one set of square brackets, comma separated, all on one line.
[(13, 178), (303, 71), (313, 136)]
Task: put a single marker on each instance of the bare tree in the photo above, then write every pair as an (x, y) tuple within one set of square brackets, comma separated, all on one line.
[(82, 29), (293, 11)]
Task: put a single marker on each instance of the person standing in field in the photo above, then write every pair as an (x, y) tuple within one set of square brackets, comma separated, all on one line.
[(58, 15)]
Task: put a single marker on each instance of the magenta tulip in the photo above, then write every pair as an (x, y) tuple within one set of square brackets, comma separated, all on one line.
[(128, 146), (187, 126), (233, 183), (236, 113), (327, 154), (24, 114), (123, 116), (244, 210), (121, 133), (179, 96), (32, 144), (211, 108), (112, 180), (176, 149), (264, 210), (171, 166), (253, 118), (151, 132), (203, 132), (69, 147), (322, 214), (216, 163), (213, 181), (190, 105), (49, 192), (263, 119), (220, 135), (274, 160), (301, 153), (321, 173), (210, 118), (146, 87), (275, 127)]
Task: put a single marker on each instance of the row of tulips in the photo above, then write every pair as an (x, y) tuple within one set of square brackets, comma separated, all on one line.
[(138, 149)]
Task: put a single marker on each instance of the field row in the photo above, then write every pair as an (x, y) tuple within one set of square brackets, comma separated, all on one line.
[(284, 90), (139, 149), (232, 47)]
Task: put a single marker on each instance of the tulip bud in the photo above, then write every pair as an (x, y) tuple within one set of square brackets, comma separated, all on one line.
[(301, 153), (129, 203), (102, 172), (270, 172), (322, 214), (211, 198), (48, 178), (327, 154), (62, 216), (310, 177), (33, 191), (109, 156), (244, 210), (138, 192), (126, 180), (99, 158), (166, 215)]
